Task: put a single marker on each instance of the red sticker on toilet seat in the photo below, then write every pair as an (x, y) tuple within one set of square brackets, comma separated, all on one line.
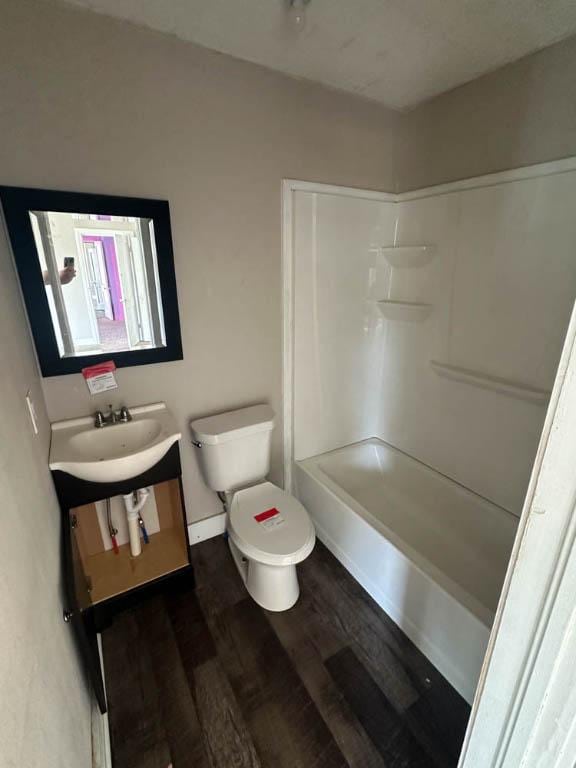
[(270, 518), (266, 515)]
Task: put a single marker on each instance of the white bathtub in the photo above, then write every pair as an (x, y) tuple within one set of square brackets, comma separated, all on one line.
[(429, 551)]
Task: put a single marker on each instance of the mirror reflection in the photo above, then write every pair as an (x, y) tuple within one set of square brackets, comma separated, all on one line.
[(101, 279)]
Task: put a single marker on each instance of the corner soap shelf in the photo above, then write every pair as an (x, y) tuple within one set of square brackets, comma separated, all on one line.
[(411, 311), (494, 383), (408, 256)]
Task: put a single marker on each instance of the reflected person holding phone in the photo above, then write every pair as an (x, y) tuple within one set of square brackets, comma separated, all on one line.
[(66, 275)]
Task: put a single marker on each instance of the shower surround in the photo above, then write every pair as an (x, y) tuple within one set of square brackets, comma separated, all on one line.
[(422, 335)]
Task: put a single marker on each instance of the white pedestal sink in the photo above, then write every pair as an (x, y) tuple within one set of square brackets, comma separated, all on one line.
[(115, 452)]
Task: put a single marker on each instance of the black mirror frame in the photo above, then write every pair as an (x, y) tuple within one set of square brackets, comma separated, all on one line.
[(16, 204)]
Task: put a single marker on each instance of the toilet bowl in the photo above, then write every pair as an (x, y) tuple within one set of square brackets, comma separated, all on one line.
[(269, 531)]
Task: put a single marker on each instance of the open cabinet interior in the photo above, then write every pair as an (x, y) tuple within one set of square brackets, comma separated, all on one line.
[(101, 572)]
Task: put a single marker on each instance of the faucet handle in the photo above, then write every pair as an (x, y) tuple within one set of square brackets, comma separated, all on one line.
[(98, 419), (125, 414)]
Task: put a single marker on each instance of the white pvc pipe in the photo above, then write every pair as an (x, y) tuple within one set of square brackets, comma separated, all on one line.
[(132, 514), (134, 533)]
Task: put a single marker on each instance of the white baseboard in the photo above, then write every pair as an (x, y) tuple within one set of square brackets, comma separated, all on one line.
[(101, 752), (207, 528)]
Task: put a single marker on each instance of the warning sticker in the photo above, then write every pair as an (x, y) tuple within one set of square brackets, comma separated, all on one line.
[(100, 377), (269, 519)]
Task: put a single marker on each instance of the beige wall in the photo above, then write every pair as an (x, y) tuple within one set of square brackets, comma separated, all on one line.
[(45, 713), (93, 104), (522, 114), (100, 105)]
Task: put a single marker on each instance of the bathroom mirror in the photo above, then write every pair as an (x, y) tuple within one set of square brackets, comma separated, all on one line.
[(97, 275)]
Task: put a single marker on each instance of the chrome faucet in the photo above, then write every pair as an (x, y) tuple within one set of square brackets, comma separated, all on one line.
[(112, 417)]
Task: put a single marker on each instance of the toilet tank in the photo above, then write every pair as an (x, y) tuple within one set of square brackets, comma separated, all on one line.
[(234, 446)]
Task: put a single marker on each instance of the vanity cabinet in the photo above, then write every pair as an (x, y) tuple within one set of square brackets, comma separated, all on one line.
[(99, 580)]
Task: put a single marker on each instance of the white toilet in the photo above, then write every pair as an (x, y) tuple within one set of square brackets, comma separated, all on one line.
[(269, 531)]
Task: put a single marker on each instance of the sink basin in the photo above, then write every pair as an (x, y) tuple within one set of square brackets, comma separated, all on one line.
[(115, 452), (115, 441)]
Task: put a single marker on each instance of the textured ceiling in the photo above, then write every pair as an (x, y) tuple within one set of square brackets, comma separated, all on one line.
[(397, 52)]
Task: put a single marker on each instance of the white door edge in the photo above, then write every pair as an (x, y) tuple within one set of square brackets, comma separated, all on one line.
[(101, 750), (525, 705)]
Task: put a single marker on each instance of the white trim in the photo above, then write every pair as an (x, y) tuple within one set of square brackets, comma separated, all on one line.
[(288, 187), (101, 750), (86, 341), (294, 185), (551, 168), (565, 165), (208, 528)]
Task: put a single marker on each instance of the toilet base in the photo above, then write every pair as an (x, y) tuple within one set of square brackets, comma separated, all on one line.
[(274, 588)]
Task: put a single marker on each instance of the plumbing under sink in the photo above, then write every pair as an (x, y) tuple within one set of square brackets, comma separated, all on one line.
[(118, 452)]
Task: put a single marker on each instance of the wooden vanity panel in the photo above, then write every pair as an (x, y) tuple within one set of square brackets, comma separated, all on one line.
[(81, 580), (88, 535), (168, 504), (110, 574)]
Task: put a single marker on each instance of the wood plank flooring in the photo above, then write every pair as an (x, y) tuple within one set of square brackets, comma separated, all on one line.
[(208, 679)]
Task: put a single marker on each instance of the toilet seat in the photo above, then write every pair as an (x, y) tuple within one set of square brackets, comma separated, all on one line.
[(270, 526)]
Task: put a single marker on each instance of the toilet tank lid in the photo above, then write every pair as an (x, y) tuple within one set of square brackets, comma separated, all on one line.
[(233, 424)]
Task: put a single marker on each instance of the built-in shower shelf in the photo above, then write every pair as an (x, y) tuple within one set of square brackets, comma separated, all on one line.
[(408, 256), (495, 383), (411, 311)]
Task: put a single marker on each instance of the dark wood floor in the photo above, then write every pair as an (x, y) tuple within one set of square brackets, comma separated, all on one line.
[(208, 679)]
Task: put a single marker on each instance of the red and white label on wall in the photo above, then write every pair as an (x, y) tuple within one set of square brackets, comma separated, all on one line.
[(269, 519), (100, 377)]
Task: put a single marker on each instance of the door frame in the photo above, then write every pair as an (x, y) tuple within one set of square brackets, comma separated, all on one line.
[(90, 310)]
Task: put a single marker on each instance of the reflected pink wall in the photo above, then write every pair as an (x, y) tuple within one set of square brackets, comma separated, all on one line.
[(111, 260)]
